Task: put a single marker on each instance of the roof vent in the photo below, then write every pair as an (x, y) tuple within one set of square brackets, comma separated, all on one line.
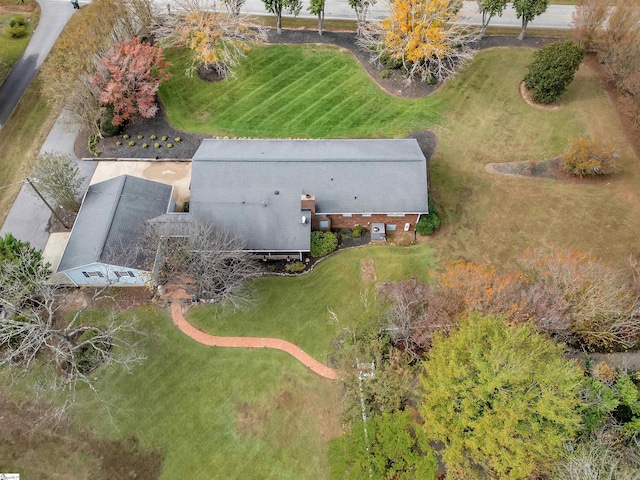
[(304, 219), (277, 192)]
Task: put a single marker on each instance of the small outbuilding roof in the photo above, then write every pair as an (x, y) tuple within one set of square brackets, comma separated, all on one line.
[(253, 187), (110, 220)]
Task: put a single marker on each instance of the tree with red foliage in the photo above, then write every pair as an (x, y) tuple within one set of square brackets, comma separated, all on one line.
[(128, 77)]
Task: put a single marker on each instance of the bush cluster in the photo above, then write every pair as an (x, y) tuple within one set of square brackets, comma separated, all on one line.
[(106, 124), (295, 267), (323, 243), (358, 231), (17, 27), (552, 70), (589, 158), (428, 223)]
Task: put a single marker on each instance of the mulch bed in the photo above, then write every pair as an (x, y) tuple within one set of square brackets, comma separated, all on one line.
[(395, 85)]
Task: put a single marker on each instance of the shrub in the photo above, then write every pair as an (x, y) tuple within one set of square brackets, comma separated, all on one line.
[(17, 21), (92, 142), (323, 243), (586, 157), (428, 223), (169, 145), (390, 62), (106, 123), (153, 137), (345, 233), (132, 143), (125, 136), (552, 70), (140, 137), (185, 207), (17, 31), (164, 138), (177, 139), (358, 231), (295, 267), (118, 143), (144, 145), (157, 145), (384, 74)]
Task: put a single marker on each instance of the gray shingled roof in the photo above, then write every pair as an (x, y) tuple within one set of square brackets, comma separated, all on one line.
[(234, 184), (112, 215)]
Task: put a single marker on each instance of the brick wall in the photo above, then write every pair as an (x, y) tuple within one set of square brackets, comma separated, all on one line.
[(340, 221)]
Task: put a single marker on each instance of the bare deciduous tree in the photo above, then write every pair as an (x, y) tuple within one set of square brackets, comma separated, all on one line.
[(422, 36), (214, 259), (33, 326), (361, 8), (416, 311), (59, 179), (217, 36)]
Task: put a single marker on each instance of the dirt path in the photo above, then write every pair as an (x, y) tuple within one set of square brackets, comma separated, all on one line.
[(249, 342)]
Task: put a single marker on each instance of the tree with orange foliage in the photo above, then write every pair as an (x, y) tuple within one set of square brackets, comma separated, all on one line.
[(586, 157), (423, 36), (218, 38), (128, 77), (487, 292)]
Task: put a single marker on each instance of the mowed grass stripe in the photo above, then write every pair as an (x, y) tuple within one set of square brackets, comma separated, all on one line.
[(257, 103), (291, 94), (283, 94), (313, 99)]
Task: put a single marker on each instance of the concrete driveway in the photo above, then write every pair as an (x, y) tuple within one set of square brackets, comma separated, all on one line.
[(177, 174)]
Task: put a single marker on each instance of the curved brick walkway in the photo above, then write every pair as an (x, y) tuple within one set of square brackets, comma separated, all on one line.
[(249, 342)]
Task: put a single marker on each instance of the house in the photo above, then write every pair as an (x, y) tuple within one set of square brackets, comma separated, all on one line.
[(274, 192), (271, 193), (103, 245)]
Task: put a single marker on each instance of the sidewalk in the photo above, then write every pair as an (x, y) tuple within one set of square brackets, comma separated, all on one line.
[(28, 219)]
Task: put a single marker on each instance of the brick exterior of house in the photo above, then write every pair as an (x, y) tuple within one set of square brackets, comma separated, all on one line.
[(340, 221)]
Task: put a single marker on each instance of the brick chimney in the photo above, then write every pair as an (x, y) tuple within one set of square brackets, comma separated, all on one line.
[(308, 202)]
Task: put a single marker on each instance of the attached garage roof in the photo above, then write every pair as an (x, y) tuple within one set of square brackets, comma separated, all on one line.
[(110, 220)]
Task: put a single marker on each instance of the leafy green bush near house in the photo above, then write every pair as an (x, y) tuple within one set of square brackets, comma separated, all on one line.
[(428, 223), (295, 267), (323, 243)]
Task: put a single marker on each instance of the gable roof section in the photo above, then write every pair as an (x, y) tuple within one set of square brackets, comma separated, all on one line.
[(234, 184), (111, 215)]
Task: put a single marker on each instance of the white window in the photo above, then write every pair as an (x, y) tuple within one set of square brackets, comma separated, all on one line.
[(366, 214), (93, 274), (124, 274), (395, 215), (348, 215)]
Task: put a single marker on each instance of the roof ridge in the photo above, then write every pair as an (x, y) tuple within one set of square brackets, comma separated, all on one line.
[(123, 180)]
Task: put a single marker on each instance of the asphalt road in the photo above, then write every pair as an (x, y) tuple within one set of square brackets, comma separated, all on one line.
[(54, 16), (556, 16)]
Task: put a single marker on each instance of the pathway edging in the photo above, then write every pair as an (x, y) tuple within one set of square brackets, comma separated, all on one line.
[(249, 342)]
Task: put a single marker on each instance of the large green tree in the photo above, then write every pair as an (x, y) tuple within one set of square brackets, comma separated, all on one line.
[(490, 8), (553, 69), (384, 447), (527, 10), (276, 7), (501, 399)]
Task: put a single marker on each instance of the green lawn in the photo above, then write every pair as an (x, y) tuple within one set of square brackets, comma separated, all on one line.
[(479, 116), (211, 412), (12, 48), (297, 309), (292, 91)]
